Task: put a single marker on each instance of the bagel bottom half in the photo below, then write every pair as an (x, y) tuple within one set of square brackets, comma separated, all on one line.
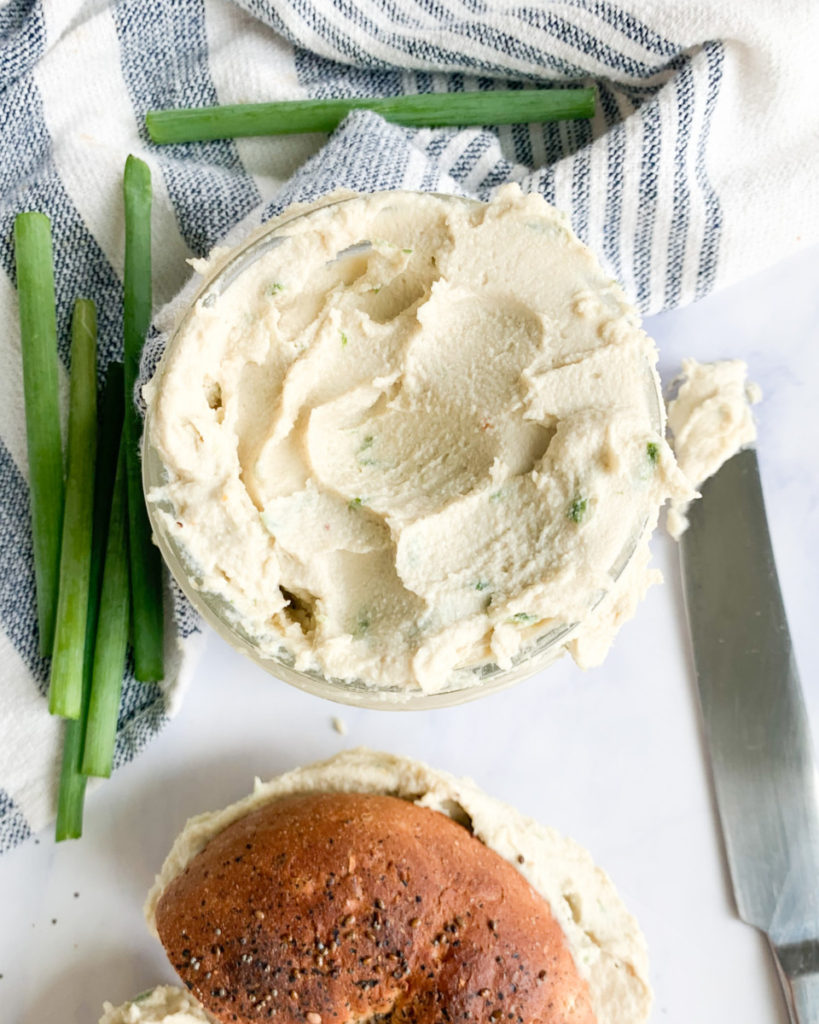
[(296, 905)]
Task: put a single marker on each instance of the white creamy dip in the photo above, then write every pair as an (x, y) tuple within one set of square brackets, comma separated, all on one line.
[(413, 437), (604, 939), (711, 419), (165, 1004)]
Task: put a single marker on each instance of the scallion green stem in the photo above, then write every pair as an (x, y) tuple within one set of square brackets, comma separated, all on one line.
[(112, 637), (146, 565), (430, 110), (71, 798), (71, 795), (65, 692), (38, 342)]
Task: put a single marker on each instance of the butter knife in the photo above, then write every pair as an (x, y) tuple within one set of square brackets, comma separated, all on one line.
[(756, 728)]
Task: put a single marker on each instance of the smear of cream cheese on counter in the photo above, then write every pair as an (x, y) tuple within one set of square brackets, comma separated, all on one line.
[(711, 419), (606, 943), (414, 437)]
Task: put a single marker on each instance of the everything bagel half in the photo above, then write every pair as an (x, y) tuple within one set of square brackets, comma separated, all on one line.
[(372, 889)]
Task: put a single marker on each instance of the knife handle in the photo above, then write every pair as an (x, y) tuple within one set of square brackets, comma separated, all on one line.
[(798, 967)]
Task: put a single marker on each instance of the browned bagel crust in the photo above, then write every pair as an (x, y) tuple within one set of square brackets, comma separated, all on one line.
[(343, 908)]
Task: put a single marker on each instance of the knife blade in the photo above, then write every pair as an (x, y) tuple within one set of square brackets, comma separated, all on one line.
[(755, 724)]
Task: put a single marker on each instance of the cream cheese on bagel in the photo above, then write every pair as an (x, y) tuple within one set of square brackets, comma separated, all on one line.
[(604, 940), (164, 1004)]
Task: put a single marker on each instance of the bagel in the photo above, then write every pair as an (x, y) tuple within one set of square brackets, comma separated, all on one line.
[(370, 888), (355, 906)]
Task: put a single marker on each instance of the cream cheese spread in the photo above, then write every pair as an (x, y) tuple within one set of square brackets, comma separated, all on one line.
[(605, 941), (711, 420), (415, 434), (165, 1004)]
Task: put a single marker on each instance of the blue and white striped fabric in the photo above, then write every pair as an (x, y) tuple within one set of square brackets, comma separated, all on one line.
[(698, 168)]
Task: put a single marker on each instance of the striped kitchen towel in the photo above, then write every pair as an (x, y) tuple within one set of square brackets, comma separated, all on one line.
[(698, 168)]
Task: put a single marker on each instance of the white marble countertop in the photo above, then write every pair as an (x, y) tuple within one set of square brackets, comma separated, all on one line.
[(613, 756)]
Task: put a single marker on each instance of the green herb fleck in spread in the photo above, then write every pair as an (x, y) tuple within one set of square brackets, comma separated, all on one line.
[(577, 509), (497, 495), (363, 623), (653, 452), (481, 585), (407, 251), (344, 338), (363, 455), (275, 288), (355, 503)]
